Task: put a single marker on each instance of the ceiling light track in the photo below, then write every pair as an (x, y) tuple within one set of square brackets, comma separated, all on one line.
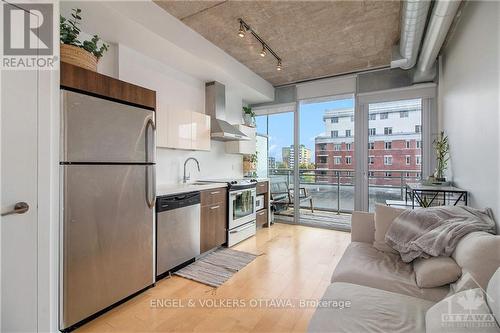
[(244, 27)]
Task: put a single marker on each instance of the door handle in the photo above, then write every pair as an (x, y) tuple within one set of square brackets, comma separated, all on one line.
[(151, 124), (19, 208), (150, 203)]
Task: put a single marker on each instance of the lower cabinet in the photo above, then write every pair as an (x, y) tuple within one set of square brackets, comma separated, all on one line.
[(213, 219), (262, 217)]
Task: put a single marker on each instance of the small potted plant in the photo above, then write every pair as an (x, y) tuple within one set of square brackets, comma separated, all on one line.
[(442, 147), (248, 116), (84, 54), (249, 164)]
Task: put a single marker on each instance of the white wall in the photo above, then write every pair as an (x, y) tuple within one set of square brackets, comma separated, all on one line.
[(469, 99), (179, 92), (143, 26)]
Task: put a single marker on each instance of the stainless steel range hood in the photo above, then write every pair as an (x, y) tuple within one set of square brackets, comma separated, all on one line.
[(215, 107)]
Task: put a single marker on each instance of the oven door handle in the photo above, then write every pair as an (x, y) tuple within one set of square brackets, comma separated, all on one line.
[(244, 227), (233, 193)]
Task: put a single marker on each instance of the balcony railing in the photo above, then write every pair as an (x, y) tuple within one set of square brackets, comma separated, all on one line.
[(333, 189)]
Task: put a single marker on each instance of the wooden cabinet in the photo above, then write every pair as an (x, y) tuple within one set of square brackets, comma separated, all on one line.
[(213, 219), (262, 217), (243, 147), (262, 187), (183, 130), (263, 214), (84, 80)]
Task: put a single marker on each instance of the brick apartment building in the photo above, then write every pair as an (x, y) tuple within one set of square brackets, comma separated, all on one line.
[(394, 147)]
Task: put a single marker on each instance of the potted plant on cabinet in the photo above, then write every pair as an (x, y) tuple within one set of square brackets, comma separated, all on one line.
[(84, 54), (248, 116)]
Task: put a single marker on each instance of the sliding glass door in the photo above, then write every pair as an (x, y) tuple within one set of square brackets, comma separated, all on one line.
[(394, 149), (278, 129), (326, 161), (329, 156)]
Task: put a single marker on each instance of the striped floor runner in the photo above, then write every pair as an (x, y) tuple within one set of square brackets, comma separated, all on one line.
[(217, 267)]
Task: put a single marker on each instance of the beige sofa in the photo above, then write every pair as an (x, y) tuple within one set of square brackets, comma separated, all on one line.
[(382, 289)]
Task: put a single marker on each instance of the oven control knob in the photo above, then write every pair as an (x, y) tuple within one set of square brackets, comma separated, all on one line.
[(234, 182)]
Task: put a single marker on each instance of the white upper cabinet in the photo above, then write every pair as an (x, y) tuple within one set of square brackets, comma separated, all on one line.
[(200, 131), (243, 147), (183, 130)]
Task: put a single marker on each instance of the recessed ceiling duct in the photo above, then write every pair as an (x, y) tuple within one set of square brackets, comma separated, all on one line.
[(413, 19), (443, 14)]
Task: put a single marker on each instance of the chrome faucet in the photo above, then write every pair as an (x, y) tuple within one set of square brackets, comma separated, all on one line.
[(186, 178)]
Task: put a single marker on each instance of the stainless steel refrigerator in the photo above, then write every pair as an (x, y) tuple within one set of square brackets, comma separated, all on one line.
[(108, 195)]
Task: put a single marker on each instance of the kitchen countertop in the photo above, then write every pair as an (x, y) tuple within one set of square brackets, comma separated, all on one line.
[(259, 179), (169, 189)]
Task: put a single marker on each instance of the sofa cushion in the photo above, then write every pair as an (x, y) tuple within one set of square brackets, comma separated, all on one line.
[(478, 255), (493, 293), (384, 215), (465, 311), (436, 271), (365, 265), (370, 310)]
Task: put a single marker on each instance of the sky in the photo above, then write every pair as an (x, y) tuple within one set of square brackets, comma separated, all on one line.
[(311, 125)]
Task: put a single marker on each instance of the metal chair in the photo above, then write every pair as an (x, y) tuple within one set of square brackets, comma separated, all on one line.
[(281, 194)]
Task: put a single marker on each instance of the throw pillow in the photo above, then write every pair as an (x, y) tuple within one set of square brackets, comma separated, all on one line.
[(384, 215), (436, 271), (478, 255), (458, 313)]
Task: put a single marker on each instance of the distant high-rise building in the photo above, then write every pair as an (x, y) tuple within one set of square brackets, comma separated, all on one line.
[(285, 155), (288, 154), (271, 162)]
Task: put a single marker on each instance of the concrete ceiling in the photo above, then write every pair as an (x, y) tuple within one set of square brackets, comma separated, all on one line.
[(314, 38)]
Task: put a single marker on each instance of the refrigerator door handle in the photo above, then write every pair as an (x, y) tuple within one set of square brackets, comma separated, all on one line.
[(150, 187), (151, 124)]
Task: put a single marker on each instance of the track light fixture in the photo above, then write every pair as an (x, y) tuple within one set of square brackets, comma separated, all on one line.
[(241, 32), (263, 52), (244, 27)]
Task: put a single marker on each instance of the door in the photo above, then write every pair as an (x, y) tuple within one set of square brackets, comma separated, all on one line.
[(276, 156), (19, 122), (107, 237), (241, 207), (326, 158), (98, 130), (213, 226), (394, 148)]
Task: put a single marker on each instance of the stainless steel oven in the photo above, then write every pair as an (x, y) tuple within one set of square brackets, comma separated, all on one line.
[(242, 207)]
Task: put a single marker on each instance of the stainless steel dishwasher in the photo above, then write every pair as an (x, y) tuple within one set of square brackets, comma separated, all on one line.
[(177, 230)]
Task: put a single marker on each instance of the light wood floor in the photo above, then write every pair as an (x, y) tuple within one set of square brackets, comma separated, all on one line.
[(296, 262)]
